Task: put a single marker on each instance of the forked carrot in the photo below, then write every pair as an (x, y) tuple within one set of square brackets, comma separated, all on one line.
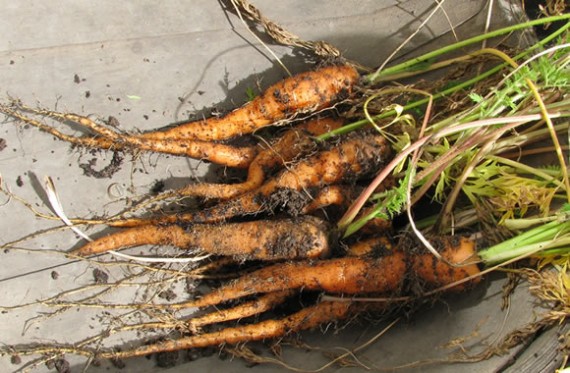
[(265, 302), (347, 275), (294, 143), (377, 268), (301, 94), (354, 156), (374, 266), (307, 318), (219, 153)]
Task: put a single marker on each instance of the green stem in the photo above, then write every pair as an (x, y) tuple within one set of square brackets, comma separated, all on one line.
[(356, 225), (526, 223), (355, 125), (564, 250), (527, 250), (371, 78), (546, 236)]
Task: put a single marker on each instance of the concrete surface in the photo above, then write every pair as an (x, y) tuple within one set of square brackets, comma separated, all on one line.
[(149, 64)]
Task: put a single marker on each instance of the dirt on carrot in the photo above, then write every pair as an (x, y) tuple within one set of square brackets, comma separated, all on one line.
[(462, 262), (354, 156), (308, 318), (303, 93), (372, 267), (289, 99), (302, 237), (294, 143)]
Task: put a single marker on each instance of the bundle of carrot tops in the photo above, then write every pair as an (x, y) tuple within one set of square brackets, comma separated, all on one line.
[(331, 208)]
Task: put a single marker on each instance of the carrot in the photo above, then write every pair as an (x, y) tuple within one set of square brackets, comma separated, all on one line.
[(375, 268), (372, 266), (370, 247), (355, 156), (307, 318), (303, 93), (458, 251), (259, 305), (223, 154), (303, 237), (339, 195), (342, 196), (295, 142), (347, 275), (219, 153)]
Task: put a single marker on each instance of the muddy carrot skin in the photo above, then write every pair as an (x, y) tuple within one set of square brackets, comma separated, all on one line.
[(261, 304), (291, 98), (303, 93), (353, 157), (380, 270), (294, 143), (459, 251), (296, 238), (373, 266), (107, 138)]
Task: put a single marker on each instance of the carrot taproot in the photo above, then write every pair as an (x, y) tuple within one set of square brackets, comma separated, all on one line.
[(219, 153), (376, 267), (346, 275), (461, 258), (379, 245), (296, 238), (342, 196), (254, 307), (300, 94), (292, 144), (338, 195), (307, 318), (373, 266), (215, 152), (194, 323), (304, 93), (355, 156)]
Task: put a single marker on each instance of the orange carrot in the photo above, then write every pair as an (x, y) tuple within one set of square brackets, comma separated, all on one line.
[(231, 156), (377, 268), (355, 156), (215, 152), (193, 324), (373, 266), (339, 195), (458, 251), (303, 237), (261, 304), (294, 143), (307, 318), (347, 275), (303, 93)]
